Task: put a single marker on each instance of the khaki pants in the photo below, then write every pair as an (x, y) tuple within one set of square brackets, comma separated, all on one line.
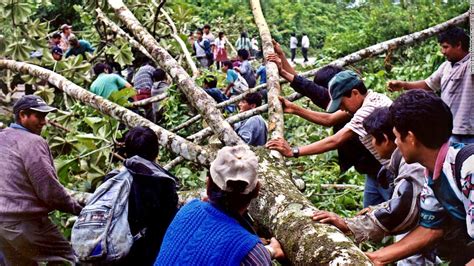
[(32, 241)]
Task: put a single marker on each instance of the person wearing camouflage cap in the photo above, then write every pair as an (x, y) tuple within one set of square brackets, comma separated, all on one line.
[(30, 189)]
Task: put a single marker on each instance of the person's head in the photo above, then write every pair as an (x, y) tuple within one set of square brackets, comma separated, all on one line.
[(206, 29), (243, 54), (243, 34), (233, 181), (158, 75), (325, 74), (221, 35), (73, 41), (210, 82), (57, 53), (100, 68), (141, 141), (66, 29), (454, 44), (250, 101), (30, 111), (293, 34), (199, 34), (304, 34), (347, 92), (379, 125), (226, 65), (421, 121), (56, 38)]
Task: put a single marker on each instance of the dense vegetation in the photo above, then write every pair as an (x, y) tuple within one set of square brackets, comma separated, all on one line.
[(84, 142)]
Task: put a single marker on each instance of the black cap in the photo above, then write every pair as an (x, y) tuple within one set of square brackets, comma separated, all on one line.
[(32, 102), (57, 50)]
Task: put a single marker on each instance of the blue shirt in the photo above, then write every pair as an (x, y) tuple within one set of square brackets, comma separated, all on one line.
[(262, 73), (84, 46), (231, 76)]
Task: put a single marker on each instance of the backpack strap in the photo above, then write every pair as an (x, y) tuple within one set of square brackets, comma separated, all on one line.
[(461, 157)]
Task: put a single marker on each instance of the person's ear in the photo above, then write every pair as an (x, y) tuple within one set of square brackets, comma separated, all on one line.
[(411, 139)]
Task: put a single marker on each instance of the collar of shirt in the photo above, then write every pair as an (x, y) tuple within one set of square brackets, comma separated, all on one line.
[(18, 126), (460, 62), (443, 151)]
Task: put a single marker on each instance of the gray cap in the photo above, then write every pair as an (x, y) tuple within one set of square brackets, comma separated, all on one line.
[(236, 163), (32, 102)]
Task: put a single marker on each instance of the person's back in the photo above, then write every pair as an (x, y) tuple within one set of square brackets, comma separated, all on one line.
[(254, 129), (78, 47), (105, 83), (143, 79)]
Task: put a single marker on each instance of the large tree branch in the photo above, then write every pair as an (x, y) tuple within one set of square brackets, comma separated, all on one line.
[(153, 99), (169, 140), (196, 96), (116, 29), (275, 110)]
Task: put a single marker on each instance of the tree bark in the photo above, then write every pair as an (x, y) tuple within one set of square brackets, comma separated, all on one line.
[(169, 140), (276, 125), (281, 208), (195, 95), (115, 28)]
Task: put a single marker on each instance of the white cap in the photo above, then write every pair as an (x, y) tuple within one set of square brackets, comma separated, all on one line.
[(235, 163)]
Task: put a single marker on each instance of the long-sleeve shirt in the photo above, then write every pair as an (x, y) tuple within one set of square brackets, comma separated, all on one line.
[(29, 186), (84, 46), (401, 212)]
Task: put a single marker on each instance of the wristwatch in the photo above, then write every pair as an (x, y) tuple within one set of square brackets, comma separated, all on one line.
[(296, 152)]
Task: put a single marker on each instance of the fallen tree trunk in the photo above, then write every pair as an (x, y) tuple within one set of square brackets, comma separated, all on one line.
[(276, 125), (195, 95), (169, 140)]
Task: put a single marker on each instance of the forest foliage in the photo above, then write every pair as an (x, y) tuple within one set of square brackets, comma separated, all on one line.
[(84, 143)]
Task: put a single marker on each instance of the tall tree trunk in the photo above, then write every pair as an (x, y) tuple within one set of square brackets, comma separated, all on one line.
[(276, 125), (195, 95), (169, 140)]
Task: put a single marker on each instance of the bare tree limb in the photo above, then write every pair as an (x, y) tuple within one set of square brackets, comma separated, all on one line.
[(276, 125), (157, 98), (169, 140), (184, 48), (173, 163), (196, 96), (115, 28), (158, 8)]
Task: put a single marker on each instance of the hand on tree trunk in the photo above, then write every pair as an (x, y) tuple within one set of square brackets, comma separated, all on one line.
[(326, 217)]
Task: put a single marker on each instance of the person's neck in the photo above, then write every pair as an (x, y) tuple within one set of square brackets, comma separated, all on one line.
[(428, 158)]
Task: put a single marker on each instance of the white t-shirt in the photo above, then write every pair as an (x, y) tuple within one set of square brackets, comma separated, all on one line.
[(372, 101), (254, 44), (305, 42), (199, 46), (293, 42), (210, 37), (220, 43)]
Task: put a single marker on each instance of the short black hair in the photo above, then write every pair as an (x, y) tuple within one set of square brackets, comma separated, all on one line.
[(454, 36), (158, 75), (293, 34), (378, 124), (141, 141), (243, 34), (207, 27), (56, 35), (228, 64), (425, 114), (221, 34), (325, 74), (253, 98), (211, 81), (100, 68), (359, 87), (199, 30), (243, 53)]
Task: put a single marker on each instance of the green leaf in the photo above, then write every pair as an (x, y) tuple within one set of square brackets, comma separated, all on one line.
[(121, 97)]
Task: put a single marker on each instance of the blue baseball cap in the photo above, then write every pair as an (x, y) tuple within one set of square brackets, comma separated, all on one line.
[(341, 83)]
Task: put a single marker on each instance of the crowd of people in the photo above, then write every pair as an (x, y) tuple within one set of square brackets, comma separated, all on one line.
[(414, 151)]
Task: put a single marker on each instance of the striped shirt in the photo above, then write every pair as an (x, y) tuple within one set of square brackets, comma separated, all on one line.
[(259, 255), (143, 77), (455, 82), (372, 101)]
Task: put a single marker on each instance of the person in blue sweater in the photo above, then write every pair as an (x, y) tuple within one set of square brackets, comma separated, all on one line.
[(216, 232)]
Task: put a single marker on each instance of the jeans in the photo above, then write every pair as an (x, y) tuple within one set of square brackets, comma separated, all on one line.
[(374, 194), (462, 138), (305, 54), (293, 54)]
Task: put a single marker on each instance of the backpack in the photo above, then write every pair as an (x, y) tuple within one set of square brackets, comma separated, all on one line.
[(249, 76), (240, 85), (102, 232)]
